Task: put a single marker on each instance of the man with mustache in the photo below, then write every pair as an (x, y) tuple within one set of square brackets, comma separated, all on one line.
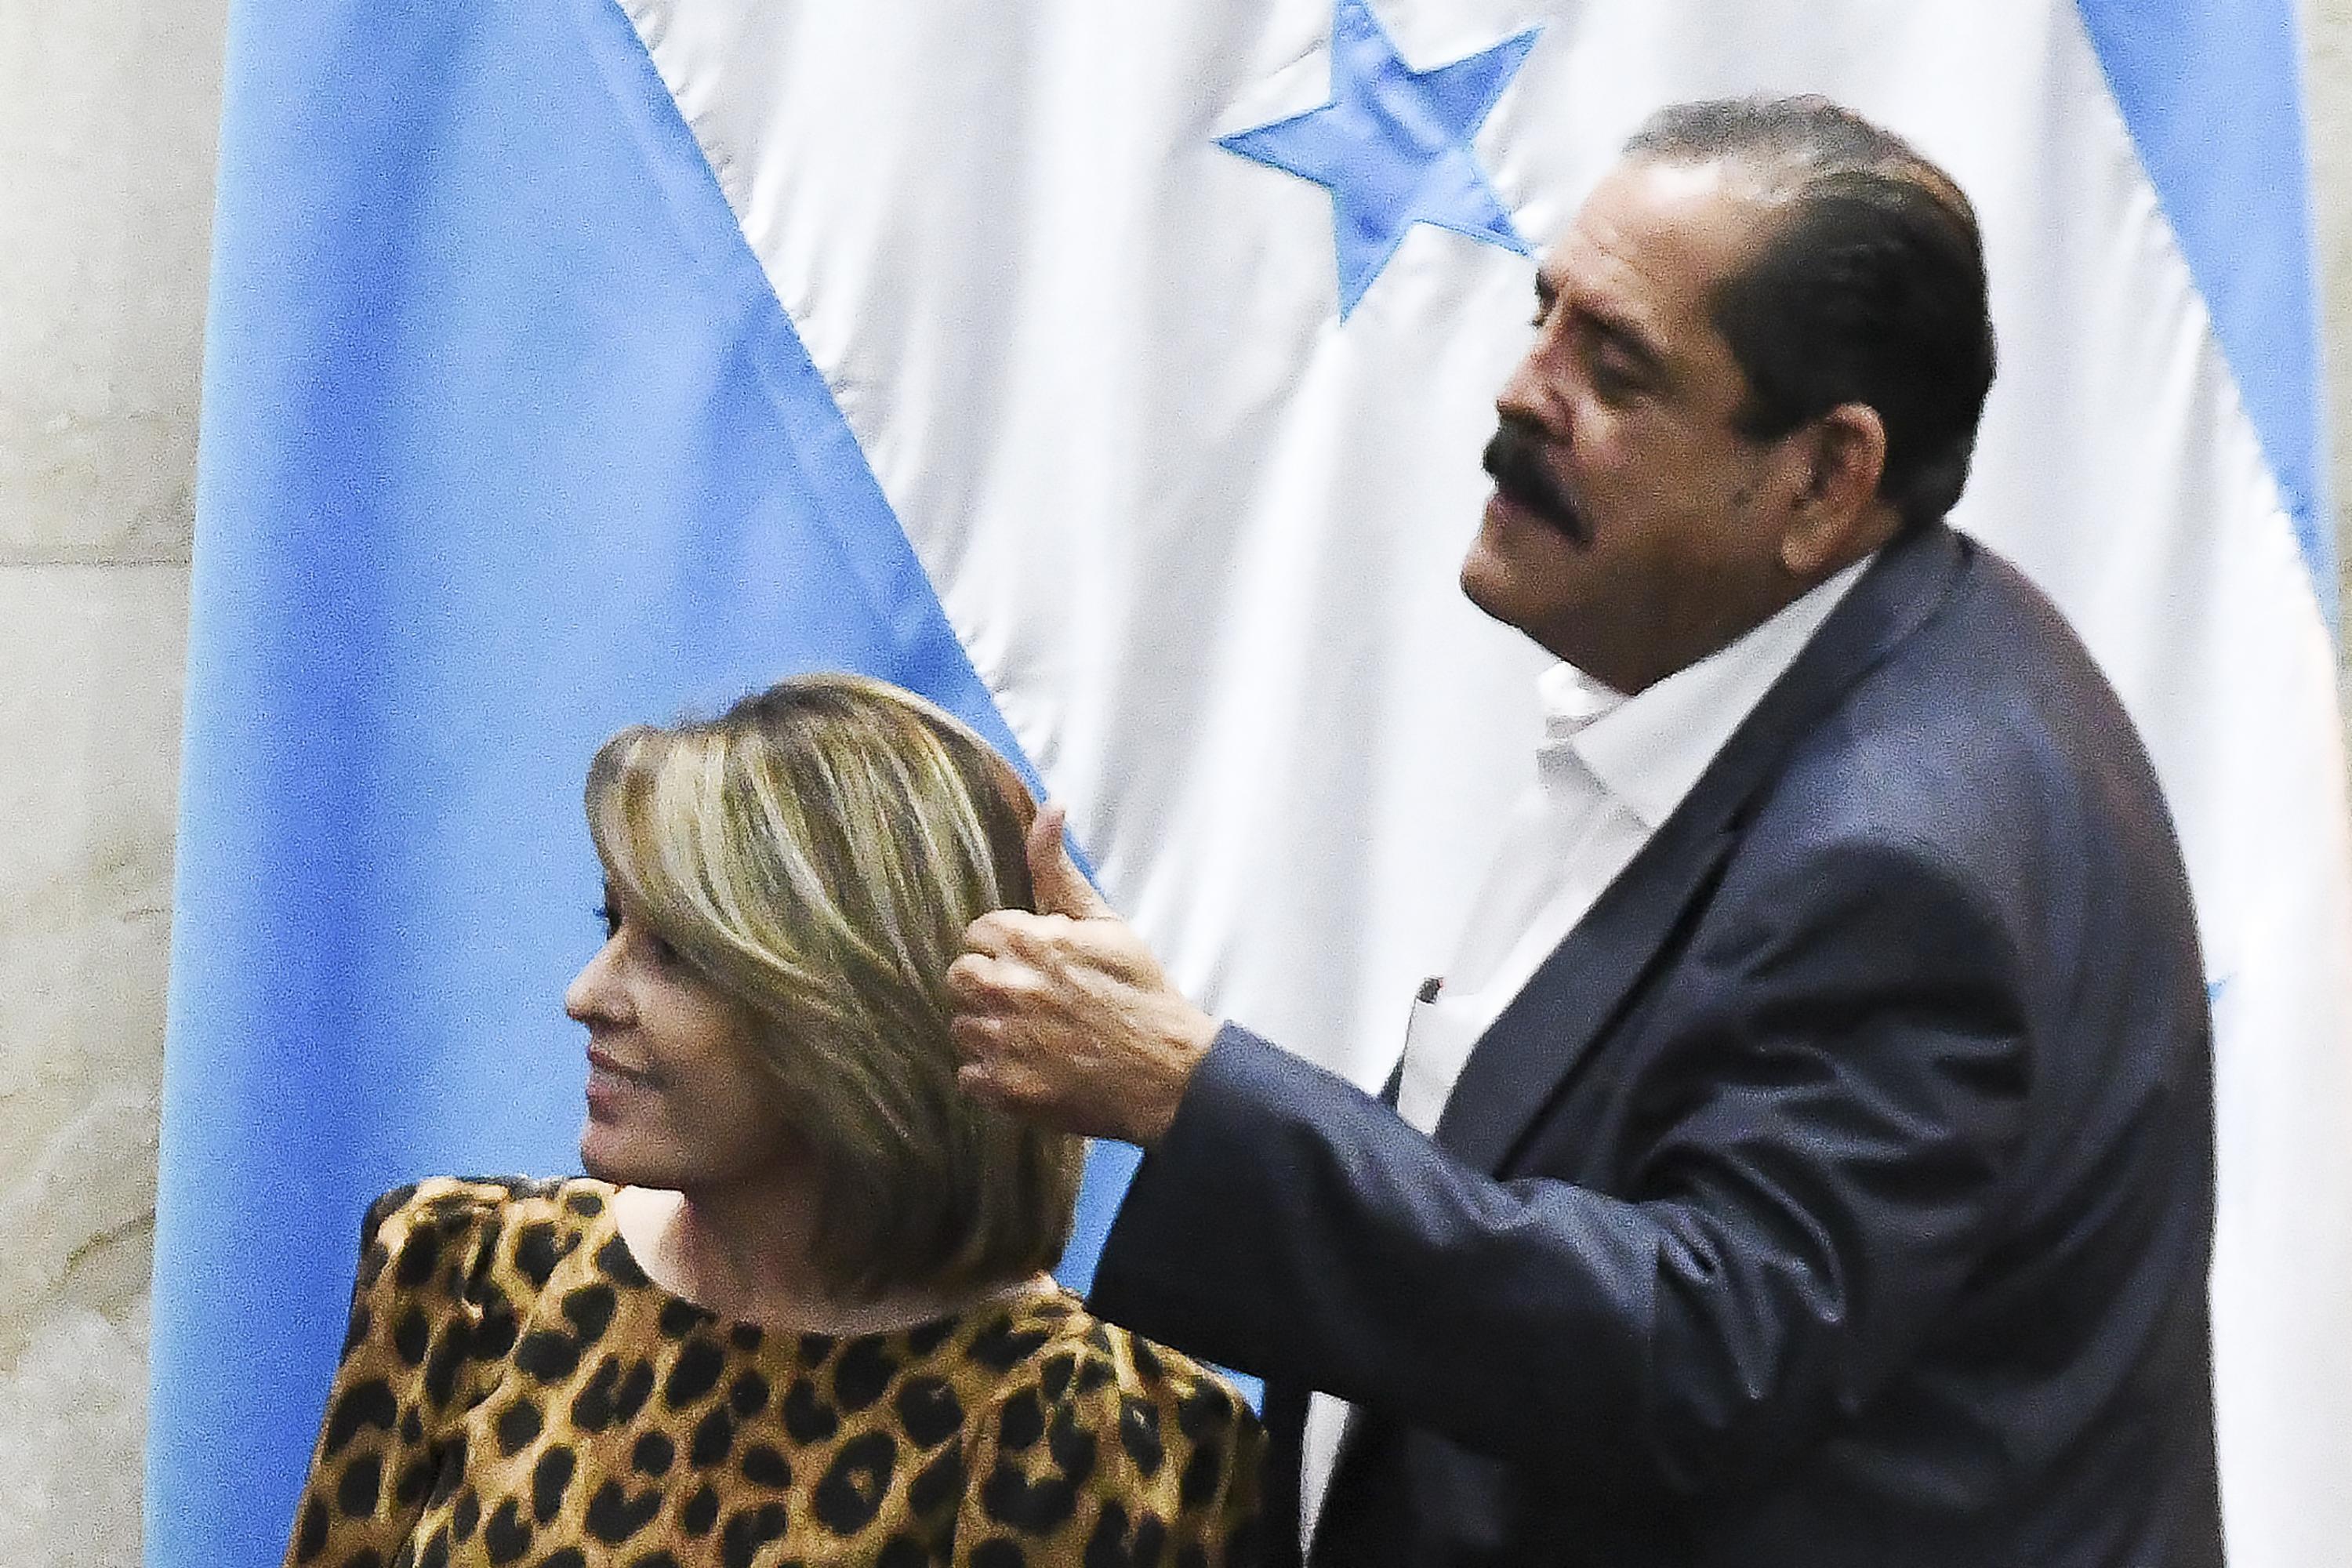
[(1808, 1159)]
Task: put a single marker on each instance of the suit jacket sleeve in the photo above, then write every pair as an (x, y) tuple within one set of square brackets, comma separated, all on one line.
[(1826, 1127)]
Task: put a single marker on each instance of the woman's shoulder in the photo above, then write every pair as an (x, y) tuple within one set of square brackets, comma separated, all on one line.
[(1100, 1438), (1061, 1366), (1120, 1361), (441, 1202), (420, 1223)]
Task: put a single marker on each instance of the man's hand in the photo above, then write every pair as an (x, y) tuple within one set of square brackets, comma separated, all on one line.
[(1064, 1018)]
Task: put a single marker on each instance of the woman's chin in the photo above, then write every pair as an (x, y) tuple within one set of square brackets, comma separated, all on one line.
[(628, 1154), (607, 1156)]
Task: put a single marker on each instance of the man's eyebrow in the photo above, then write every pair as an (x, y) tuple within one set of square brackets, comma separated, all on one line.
[(1624, 337), (1615, 332)]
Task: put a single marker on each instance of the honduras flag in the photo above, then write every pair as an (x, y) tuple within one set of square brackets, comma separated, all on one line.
[(1115, 374)]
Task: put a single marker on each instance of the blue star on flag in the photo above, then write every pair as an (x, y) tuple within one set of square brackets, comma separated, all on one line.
[(1393, 146)]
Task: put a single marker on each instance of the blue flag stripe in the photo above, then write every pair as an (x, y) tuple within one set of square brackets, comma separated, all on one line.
[(507, 442), (2209, 90)]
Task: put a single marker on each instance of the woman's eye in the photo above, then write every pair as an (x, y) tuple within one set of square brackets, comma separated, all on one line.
[(657, 948)]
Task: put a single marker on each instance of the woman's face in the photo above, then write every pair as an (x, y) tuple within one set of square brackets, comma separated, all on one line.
[(676, 1098)]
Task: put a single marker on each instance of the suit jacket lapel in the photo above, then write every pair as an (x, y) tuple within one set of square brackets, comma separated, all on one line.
[(1521, 1062)]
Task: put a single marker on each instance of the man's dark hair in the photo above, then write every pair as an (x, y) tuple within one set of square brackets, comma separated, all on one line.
[(1869, 288)]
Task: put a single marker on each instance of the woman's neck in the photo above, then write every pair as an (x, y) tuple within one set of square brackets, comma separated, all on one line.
[(744, 1252)]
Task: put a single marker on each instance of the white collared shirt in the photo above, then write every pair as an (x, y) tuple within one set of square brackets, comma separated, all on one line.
[(1609, 770)]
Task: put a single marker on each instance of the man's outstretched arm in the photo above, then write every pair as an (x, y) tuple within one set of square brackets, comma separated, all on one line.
[(1803, 1212)]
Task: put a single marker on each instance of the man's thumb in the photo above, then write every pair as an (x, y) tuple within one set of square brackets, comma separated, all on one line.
[(1059, 887)]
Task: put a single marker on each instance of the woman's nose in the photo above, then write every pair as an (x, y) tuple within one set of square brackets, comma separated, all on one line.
[(594, 995)]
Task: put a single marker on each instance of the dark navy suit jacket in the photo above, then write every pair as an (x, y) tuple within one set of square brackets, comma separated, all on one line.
[(1839, 1193)]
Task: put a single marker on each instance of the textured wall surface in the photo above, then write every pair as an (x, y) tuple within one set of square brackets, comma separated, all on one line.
[(107, 117), (106, 138)]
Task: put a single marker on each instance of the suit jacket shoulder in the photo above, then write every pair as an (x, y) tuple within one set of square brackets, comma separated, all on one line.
[(1840, 1192)]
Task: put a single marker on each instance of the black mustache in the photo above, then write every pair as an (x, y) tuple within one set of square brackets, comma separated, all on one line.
[(1515, 458)]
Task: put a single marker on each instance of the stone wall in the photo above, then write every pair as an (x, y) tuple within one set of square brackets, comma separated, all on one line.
[(107, 137), (108, 110)]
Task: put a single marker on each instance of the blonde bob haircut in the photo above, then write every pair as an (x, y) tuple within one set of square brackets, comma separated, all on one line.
[(815, 854)]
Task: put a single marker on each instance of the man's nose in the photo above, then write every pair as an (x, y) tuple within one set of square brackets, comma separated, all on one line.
[(1528, 394)]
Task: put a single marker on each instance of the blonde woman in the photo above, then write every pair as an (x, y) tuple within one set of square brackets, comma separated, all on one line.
[(798, 1310)]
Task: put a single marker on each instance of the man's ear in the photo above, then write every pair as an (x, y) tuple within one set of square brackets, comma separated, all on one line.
[(1838, 517)]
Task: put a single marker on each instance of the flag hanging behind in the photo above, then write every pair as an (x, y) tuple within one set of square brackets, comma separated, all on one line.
[(1093, 370)]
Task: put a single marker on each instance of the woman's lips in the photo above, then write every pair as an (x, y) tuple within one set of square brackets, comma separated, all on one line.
[(610, 1083), (604, 1061)]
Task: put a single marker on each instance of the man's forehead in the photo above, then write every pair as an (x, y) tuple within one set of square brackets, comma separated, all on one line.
[(1653, 238)]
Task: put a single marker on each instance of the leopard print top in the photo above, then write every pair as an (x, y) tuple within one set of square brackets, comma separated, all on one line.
[(514, 1389)]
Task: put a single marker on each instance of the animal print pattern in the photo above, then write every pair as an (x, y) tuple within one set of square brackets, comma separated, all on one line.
[(515, 1393)]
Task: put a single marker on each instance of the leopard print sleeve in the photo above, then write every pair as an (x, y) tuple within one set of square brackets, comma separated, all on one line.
[(1126, 1454), (402, 1383)]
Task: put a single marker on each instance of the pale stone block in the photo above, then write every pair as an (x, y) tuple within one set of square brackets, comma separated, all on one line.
[(90, 716), (88, 777), (72, 1225), (107, 131), (73, 1419)]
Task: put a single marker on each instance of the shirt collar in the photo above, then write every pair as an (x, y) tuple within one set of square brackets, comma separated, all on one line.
[(1648, 749)]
